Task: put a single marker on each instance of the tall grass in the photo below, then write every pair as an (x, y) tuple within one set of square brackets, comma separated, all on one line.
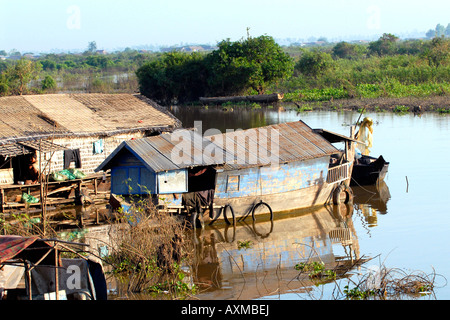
[(373, 77)]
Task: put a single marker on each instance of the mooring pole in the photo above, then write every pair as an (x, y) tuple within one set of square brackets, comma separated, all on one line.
[(56, 272)]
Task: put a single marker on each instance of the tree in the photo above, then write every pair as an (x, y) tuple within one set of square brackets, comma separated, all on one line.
[(438, 52), (176, 76), (48, 65), (4, 87), (314, 63), (447, 30), (15, 53), (440, 30), (21, 74), (92, 47), (48, 83), (234, 68), (430, 33), (385, 45), (345, 50), (100, 62), (253, 63)]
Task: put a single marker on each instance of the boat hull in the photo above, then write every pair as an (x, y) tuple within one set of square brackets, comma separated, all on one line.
[(369, 173), (297, 199)]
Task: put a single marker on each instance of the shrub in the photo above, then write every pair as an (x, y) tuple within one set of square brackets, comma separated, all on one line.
[(314, 63), (48, 83), (149, 249)]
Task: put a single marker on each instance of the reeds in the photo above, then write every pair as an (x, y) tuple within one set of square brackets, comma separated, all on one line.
[(383, 283), (149, 249)]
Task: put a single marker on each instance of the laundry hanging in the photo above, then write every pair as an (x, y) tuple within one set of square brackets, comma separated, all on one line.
[(72, 155), (98, 146)]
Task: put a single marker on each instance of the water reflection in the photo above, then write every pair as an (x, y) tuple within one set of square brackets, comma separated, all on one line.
[(264, 267), (225, 269), (371, 201)]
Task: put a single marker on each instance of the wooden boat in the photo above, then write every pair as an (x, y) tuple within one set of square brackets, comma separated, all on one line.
[(369, 170), (260, 98)]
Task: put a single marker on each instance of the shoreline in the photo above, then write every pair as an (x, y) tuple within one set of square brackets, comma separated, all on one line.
[(440, 104), (414, 104)]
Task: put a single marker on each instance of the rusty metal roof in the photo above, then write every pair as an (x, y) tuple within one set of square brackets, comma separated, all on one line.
[(177, 150), (281, 143), (34, 117)]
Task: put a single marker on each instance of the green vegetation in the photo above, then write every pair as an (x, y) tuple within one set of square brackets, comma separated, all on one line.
[(150, 252), (246, 66), (386, 68), (86, 72), (358, 294), (245, 244), (315, 270), (175, 76), (401, 109)]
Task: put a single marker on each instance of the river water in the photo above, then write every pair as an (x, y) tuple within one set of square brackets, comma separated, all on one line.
[(404, 224)]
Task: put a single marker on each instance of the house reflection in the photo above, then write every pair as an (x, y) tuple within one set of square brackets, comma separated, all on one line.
[(227, 269)]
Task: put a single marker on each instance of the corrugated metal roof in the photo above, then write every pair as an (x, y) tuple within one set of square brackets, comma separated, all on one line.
[(281, 143), (168, 151), (153, 153)]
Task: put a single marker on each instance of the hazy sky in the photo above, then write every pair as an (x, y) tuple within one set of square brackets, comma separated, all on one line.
[(31, 25)]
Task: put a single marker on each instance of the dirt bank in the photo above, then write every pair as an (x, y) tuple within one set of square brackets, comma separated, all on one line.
[(388, 104)]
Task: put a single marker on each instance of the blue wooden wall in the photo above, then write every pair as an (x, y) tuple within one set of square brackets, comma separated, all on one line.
[(271, 180), (130, 176), (132, 180)]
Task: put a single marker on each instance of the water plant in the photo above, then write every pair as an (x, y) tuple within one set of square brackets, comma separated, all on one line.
[(401, 109), (315, 269), (390, 283), (443, 110), (358, 294), (245, 244)]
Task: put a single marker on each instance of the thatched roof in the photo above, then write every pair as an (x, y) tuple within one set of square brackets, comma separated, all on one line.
[(34, 117)]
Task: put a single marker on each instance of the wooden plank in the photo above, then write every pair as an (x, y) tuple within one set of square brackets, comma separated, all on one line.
[(6, 176), (2, 200)]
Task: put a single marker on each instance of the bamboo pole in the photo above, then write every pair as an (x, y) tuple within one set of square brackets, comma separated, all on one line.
[(56, 272), (28, 274), (41, 191)]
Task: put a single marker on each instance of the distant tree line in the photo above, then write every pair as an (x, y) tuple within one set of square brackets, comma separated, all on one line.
[(387, 67), (259, 65), (254, 65), (82, 71), (439, 31)]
